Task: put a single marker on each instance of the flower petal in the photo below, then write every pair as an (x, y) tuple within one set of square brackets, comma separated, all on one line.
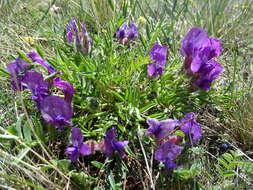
[(85, 149), (35, 82), (72, 27), (76, 137), (166, 128), (67, 88), (190, 127), (193, 41), (207, 74), (158, 56), (109, 141), (35, 57), (121, 33), (17, 70), (132, 32), (56, 111), (153, 126), (168, 151), (170, 164), (119, 146), (73, 153)]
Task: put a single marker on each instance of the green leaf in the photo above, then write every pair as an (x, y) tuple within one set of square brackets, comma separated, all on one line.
[(22, 154), (12, 130), (97, 164), (147, 107), (228, 157), (183, 173), (19, 125), (27, 132), (40, 51), (117, 95), (229, 173), (179, 133), (4, 72), (64, 164), (8, 137), (24, 57), (51, 76), (112, 181)]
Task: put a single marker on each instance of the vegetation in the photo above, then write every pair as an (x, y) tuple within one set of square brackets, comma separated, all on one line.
[(113, 89)]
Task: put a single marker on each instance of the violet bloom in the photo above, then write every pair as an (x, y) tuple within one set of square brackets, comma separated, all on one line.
[(132, 32), (158, 56), (66, 87), (198, 48), (83, 41), (122, 31), (191, 127), (125, 33), (39, 87), (56, 111), (111, 144), (78, 147), (72, 28), (161, 129), (35, 57), (17, 70), (207, 74), (167, 153)]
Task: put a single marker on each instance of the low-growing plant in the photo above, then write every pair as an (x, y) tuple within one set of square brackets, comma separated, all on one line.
[(88, 98)]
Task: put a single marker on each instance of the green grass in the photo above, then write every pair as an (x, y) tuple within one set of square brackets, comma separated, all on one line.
[(112, 89)]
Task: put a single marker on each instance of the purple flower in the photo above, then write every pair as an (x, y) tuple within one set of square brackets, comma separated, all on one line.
[(78, 146), (198, 48), (17, 70), (167, 153), (161, 129), (132, 32), (125, 33), (207, 74), (83, 41), (35, 57), (191, 127), (122, 31), (158, 56), (56, 111), (34, 81), (72, 28), (111, 144), (67, 88)]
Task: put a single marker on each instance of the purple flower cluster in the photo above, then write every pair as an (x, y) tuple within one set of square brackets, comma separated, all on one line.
[(158, 56), (78, 147), (168, 149), (82, 39), (17, 70), (55, 110), (199, 51), (109, 145), (125, 33)]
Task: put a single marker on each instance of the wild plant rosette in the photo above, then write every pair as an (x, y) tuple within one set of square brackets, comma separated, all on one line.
[(199, 52)]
